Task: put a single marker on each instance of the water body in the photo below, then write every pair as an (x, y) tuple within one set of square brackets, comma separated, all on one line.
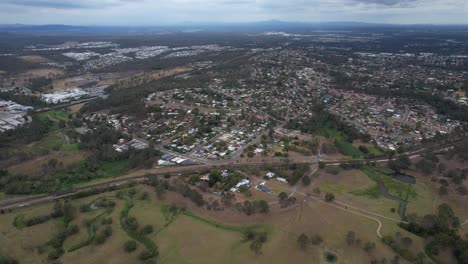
[(404, 178), (403, 203)]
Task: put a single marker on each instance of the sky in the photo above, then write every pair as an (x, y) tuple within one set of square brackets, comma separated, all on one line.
[(162, 12)]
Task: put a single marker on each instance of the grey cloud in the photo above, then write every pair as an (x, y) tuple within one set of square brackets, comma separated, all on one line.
[(63, 4), (389, 3)]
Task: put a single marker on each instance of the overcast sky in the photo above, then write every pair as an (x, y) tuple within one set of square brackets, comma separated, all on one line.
[(156, 12)]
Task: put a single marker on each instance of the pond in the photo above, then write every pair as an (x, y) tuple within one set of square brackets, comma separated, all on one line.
[(404, 178)]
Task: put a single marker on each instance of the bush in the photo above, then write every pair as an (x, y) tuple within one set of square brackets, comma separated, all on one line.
[(147, 229), (329, 197), (7, 260), (130, 246), (330, 257), (144, 255), (106, 221), (306, 180)]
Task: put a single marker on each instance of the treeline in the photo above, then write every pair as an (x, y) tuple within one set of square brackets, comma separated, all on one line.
[(101, 140), (131, 101), (323, 119), (22, 99), (25, 134), (441, 233), (444, 107)]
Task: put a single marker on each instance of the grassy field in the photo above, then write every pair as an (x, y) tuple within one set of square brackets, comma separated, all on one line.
[(344, 146), (397, 188), (347, 187), (196, 237), (56, 116)]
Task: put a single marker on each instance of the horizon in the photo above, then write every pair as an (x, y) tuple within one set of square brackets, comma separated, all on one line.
[(220, 24)]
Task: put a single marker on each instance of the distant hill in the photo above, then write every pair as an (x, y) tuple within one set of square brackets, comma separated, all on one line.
[(270, 25)]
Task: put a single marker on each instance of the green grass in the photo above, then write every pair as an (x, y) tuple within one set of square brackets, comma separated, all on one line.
[(348, 149), (134, 234), (397, 188), (19, 222), (91, 230), (80, 173), (374, 150), (345, 147), (55, 116), (70, 147), (225, 227), (334, 188), (371, 192), (53, 141)]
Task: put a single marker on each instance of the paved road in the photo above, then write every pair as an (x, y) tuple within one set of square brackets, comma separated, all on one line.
[(267, 161)]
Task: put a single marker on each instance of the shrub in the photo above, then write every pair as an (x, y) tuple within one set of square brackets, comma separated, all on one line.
[(147, 229), (306, 180), (130, 246)]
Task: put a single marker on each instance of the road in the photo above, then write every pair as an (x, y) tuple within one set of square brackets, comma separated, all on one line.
[(16, 203)]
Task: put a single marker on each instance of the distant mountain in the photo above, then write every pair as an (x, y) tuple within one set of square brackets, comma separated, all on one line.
[(271, 25)]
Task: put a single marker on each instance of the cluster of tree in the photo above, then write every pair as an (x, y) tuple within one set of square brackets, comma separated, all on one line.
[(352, 240), (401, 246), (65, 210), (223, 183), (30, 132), (297, 174), (7, 260), (160, 186), (100, 141), (193, 195), (351, 166), (321, 119), (256, 239), (285, 200), (130, 246), (130, 225), (445, 107), (441, 232), (143, 158), (427, 164), (304, 241), (102, 236), (40, 83), (401, 162), (29, 184), (329, 197), (23, 99), (253, 207)]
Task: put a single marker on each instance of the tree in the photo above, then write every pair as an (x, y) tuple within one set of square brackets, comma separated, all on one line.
[(256, 247), (303, 241), (228, 198), (263, 206), (350, 238), (282, 196), (402, 162), (306, 180), (369, 246), (130, 246), (147, 229), (329, 197)]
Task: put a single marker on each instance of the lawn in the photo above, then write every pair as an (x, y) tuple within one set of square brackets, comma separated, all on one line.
[(397, 188), (55, 116), (80, 172), (344, 146), (197, 238)]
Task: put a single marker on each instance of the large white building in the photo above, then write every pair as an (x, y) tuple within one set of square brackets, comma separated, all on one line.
[(63, 96)]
